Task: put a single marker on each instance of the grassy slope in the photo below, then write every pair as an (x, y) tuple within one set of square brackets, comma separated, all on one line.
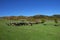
[(35, 32)]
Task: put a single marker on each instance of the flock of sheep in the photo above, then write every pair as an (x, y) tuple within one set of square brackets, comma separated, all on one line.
[(22, 23)]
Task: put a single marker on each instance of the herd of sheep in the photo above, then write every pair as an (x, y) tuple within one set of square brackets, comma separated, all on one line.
[(22, 23)]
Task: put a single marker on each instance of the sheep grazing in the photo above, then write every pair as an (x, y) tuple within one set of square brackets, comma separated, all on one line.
[(22, 23)]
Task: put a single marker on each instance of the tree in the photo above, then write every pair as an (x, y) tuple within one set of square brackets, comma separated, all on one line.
[(42, 20), (56, 21)]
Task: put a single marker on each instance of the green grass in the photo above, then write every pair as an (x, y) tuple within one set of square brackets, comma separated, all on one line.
[(35, 32)]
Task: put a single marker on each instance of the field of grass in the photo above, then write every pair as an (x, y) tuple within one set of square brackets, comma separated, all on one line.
[(35, 32)]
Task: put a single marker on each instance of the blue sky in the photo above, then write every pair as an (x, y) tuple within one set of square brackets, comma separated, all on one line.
[(29, 7)]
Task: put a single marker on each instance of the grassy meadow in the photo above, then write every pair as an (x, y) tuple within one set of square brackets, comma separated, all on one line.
[(35, 32)]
